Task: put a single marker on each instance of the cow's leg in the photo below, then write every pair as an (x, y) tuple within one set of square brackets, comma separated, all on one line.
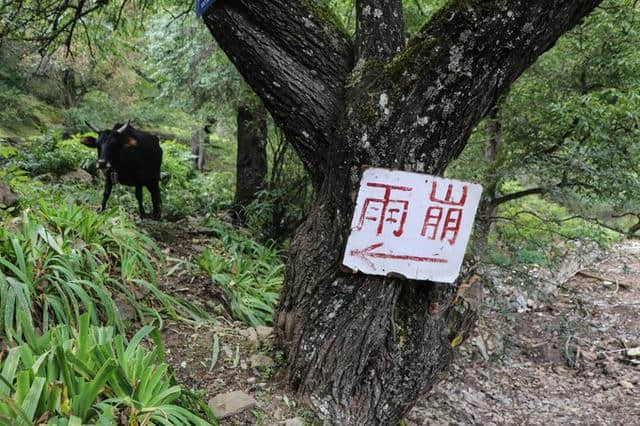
[(140, 202), (154, 189), (107, 192)]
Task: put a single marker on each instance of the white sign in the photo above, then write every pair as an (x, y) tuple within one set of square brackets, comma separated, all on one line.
[(411, 224)]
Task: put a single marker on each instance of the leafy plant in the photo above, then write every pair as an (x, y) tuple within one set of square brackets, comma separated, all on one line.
[(51, 153), (64, 261), (249, 274), (186, 192), (69, 376)]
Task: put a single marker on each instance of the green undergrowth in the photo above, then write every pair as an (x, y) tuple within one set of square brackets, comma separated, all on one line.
[(34, 169), (92, 375), (250, 274), (187, 192), (24, 115), (59, 261), (535, 230)]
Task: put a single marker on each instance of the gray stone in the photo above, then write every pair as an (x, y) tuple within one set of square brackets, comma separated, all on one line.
[(231, 403), (77, 176), (296, 421), (264, 332), (251, 335), (8, 198), (261, 360)]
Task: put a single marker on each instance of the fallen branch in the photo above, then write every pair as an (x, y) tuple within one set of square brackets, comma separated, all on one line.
[(599, 278)]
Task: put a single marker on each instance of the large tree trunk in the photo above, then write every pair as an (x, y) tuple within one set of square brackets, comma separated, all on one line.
[(251, 165), (361, 348)]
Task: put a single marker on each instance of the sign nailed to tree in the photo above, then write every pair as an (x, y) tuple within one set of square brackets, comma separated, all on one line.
[(411, 224), (202, 6)]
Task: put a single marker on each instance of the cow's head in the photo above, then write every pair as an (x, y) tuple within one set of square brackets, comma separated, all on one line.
[(108, 143)]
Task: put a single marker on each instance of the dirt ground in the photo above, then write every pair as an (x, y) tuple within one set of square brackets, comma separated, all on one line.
[(557, 358), (542, 353)]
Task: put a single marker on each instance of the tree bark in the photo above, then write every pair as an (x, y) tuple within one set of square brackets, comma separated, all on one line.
[(360, 348), (69, 94), (251, 165), (198, 148), (488, 209)]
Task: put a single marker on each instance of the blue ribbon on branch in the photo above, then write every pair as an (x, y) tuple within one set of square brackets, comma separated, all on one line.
[(202, 6)]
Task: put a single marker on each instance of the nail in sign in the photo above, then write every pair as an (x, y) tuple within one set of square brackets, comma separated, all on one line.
[(411, 224)]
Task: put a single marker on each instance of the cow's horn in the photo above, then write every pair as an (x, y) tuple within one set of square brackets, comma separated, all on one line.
[(92, 127), (123, 128)]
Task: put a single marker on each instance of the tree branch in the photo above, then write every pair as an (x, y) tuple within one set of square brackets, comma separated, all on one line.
[(296, 60), (433, 94), (380, 28), (516, 195)]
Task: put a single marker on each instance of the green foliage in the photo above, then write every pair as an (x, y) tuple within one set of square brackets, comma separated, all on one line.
[(570, 126), (186, 192), (193, 73), (90, 374), (51, 154), (249, 274), (60, 261), (533, 230), (98, 108), (280, 208), (12, 109)]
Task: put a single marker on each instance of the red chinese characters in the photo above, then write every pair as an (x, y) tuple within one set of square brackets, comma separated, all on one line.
[(385, 210), (411, 224), (442, 219), (433, 226)]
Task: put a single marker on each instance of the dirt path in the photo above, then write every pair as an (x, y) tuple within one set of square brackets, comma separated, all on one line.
[(536, 358), (555, 360)]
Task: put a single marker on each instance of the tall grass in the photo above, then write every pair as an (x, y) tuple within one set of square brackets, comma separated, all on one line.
[(73, 376), (249, 274), (64, 260)]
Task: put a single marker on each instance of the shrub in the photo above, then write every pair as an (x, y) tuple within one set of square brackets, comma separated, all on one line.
[(52, 154), (536, 230), (97, 108), (186, 192)]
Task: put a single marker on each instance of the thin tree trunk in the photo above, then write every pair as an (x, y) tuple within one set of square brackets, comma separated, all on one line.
[(70, 97), (198, 148), (488, 209), (251, 163)]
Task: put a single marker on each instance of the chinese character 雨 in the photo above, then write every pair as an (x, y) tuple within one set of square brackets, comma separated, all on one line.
[(385, 210)]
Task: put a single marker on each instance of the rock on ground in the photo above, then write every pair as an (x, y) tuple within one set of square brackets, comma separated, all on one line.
[(78, 175), (264, 332), (230, 403), (261, 360), (7, 197)]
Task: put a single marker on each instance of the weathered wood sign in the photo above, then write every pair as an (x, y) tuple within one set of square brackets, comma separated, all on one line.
[(202, 6), (411, 224)]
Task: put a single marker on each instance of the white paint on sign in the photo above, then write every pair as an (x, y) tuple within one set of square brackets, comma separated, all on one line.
[(411, 224)]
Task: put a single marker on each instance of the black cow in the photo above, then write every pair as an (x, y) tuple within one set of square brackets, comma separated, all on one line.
[(130, 157)]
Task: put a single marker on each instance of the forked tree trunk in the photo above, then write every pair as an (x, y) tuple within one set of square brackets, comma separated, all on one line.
[(251, 165), (361, 348)]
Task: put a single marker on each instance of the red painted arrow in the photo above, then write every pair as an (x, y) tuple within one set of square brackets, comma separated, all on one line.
[(368, 252)]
